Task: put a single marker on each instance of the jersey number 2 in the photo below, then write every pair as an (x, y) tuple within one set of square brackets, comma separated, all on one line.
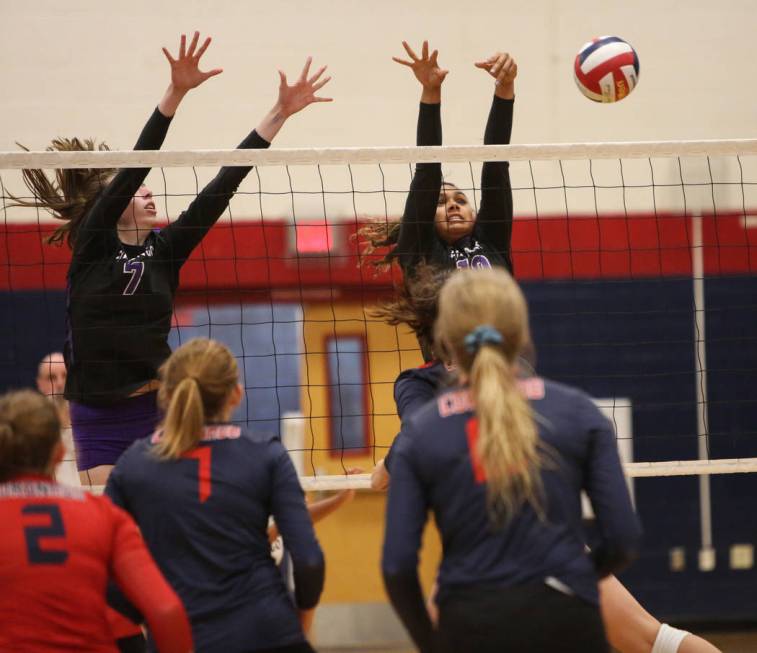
[(33, 534), (136, 269)]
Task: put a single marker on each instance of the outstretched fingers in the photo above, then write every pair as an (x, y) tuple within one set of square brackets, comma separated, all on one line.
[(203, 47), (193, 44), (410, 51), (306, 69), (171, 60), (315, 77), (321, 84)]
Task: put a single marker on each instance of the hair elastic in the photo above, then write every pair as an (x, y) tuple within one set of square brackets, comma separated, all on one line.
[(482, 335)]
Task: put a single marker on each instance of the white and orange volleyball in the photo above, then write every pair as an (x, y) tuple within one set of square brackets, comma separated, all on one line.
[(606, 69)]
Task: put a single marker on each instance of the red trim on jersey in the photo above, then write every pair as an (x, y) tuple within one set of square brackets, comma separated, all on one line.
[(471, 432), (202, 455)]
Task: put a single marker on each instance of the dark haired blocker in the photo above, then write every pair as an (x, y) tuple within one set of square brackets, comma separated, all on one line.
[(489, 244)]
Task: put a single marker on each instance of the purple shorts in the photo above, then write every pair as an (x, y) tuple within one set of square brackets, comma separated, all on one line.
[(103, 433)]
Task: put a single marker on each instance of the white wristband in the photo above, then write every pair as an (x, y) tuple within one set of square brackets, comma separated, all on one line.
[(668, 639)]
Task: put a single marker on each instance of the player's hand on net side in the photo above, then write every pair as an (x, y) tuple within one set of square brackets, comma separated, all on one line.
[(501, 66), (185, 69), (379, 476), (302, 93), (426, 67)]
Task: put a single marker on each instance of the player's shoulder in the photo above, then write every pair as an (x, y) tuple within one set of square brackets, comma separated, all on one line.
[(437, 412), (562, 392), (571, 404), (261, 443), (433, 372), (68, 498), (41, 488)]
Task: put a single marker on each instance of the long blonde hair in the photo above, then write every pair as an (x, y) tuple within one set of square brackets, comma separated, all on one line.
[(29, 431), (482, 327), (197, 381)]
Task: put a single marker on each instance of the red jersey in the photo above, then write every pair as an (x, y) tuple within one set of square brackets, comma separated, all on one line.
[(59, 547)]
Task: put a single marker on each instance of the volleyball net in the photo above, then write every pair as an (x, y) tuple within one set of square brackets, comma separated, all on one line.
[(638, 261)]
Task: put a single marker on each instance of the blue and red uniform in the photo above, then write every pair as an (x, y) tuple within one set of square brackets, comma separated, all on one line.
[(435, 469), (205, 519), (60, 545)]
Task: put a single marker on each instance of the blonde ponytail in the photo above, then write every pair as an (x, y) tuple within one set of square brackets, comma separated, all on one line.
[(197, 381), (184, 422), (507, 444), (483, 327)]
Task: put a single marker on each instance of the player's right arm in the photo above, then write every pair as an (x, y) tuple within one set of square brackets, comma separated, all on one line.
[(115, 197), (139, 578), (417, 229)]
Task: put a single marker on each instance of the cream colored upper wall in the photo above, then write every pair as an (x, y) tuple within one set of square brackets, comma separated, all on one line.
[(95, 68)]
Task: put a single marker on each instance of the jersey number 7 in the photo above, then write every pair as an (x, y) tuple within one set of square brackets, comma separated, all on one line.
[(202, 454), (136, 269)]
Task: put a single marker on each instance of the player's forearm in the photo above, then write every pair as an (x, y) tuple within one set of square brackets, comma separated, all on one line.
[(272, 123), (505, 91), (325, 507), (170, 101)]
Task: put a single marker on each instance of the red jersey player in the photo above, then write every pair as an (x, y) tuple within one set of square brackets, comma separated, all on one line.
[(60, 546)]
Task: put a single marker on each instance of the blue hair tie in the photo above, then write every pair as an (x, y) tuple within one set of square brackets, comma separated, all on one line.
[(482, 335)]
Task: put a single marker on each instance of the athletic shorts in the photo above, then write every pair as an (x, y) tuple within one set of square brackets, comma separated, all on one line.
[(103, 433), (524, 618)]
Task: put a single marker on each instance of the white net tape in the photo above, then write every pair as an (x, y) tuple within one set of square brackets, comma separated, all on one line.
[(387, 155), (632, 470)]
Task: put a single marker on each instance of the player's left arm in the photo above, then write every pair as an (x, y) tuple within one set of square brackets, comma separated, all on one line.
[(322, 508), (139, 578), (185, 233), (291, 516), (619, 532), (495, 217)]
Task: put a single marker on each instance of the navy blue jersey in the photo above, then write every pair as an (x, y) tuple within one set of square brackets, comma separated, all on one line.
[(433, 469), (416, 386), (120, 297), (205, 518), (413, 388), (489, 244)]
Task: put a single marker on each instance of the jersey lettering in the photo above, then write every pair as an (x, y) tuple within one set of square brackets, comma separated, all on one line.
[(202, 454), (136, 269), (35, 553), (480, 262)]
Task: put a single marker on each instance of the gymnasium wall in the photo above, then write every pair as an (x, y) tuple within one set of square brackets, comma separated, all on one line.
[(96, 69)]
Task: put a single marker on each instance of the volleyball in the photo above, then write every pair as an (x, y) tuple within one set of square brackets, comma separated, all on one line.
[(606, 69)]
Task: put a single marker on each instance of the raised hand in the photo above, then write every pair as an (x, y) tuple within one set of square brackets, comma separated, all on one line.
[(503, 68), (303, 92), (185, 70), (426, 68)]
